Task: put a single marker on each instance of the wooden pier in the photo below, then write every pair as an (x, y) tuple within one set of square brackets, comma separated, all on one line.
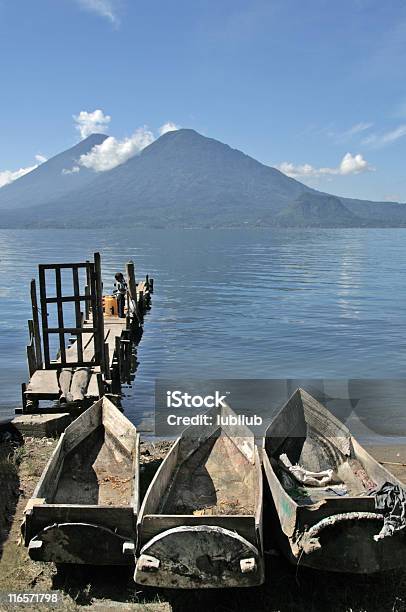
[(95, 353)]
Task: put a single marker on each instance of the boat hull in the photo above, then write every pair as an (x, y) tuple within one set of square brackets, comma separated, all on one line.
[(350, 549), (199, 557), (328, 532), (84, 508), (81, 543)]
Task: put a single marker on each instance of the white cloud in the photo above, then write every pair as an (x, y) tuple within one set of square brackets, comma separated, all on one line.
[(358, 128), (91, 123), (104, 8), (350, 164), (394, 135), (113, 152), (386, 138), (8, 176), (353, 164), (73, 170), (168, 127)]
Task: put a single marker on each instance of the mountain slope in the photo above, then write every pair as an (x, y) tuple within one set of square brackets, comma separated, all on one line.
[(318, 210), (184, 179), (181, 177), (51, 179)]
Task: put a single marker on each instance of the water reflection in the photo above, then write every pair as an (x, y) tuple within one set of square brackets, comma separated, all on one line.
[(304, 304)]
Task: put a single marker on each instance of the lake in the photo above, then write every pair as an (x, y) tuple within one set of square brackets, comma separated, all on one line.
[(237, 304)]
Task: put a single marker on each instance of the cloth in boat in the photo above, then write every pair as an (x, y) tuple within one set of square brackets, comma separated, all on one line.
[(391, 499), (313, 479)]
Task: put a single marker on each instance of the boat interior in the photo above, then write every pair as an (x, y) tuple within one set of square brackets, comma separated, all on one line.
[(216, 478), (97, 471), (312, 438)]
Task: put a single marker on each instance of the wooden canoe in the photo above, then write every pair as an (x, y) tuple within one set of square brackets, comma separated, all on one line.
[(331, 527), (84, 508), (200, 524)]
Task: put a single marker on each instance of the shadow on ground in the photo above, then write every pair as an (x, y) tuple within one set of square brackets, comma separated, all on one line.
[(10, 444)]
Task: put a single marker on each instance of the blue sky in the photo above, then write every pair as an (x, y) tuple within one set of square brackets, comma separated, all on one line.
[(295, 84)]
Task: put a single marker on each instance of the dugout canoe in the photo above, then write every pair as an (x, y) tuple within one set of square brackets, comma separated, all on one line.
[(328, 527), (84, 508), (200, 524)]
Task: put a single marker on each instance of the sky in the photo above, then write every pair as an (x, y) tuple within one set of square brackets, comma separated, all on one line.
[(316, 88)]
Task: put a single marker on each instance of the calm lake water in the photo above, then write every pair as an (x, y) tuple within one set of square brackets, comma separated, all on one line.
[(304, 304)]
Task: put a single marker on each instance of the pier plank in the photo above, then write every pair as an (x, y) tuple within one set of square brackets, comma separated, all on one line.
[(44, 385)]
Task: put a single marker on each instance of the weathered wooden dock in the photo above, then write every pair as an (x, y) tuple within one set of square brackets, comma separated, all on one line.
[(95, 354)]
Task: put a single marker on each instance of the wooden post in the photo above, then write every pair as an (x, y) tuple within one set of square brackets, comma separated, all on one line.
[(31, 358), (118, 358), (78, 314), (44, 315), (100, 384), (132, 288), (100, 319), (59, 305), (87, 303), (141, 304), (107, 360), (24, 397), (35, 319), (126, 344)]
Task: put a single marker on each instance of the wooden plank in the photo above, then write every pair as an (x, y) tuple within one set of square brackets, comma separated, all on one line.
[(44, 314), (32, 366), (44, 384), (107, 358), (69, 298), (72, 330), (160, 482), (23, 397), (49, 478), (59, 305), (88, 349), (78, 314), (88, 301), (118, 357), (241, 435), (31, 356), (81, 427), (99, 338), (92, 391), (35, 319), (135, 501), (100, 384), (118, 426), (60, 266)]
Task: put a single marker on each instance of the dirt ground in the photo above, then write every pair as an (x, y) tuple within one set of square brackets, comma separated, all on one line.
[(287, 588)]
